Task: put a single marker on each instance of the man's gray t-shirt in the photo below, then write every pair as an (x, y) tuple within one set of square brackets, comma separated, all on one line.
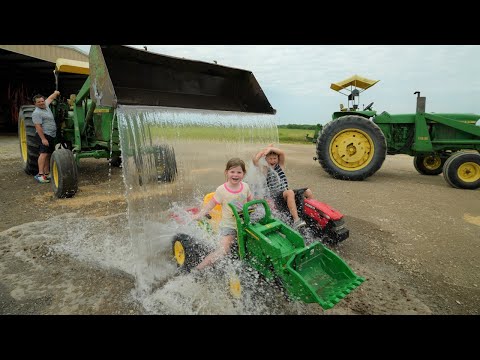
[(45, 118)]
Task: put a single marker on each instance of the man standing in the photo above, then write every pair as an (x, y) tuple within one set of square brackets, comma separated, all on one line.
[(44, 122)]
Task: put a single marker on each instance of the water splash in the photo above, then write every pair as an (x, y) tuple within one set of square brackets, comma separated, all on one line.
[(171, 159)]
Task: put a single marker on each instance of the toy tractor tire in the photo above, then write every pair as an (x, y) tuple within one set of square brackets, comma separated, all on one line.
[(187, 252), (429, 165), (245, 283), (27, 136), (462, 170), (64, 173), (166, 163), (351, 148), (336, 232)]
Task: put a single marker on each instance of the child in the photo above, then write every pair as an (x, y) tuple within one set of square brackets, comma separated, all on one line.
[(232, 191), (277, 182)]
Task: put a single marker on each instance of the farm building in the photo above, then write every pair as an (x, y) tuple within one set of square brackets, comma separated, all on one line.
[(27, 70)]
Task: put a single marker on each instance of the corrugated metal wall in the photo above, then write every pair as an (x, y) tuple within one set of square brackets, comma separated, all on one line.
[(47, 52)]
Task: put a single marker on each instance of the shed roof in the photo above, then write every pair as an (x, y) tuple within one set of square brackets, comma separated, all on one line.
[(48, 53)]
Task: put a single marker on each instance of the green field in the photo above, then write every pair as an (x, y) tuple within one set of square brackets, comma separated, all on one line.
[(286, 136), (294, 136)]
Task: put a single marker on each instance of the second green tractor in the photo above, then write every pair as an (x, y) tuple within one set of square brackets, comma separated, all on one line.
[(354, 144)]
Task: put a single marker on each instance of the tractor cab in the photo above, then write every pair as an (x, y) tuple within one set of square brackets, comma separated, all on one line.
[(351, 88)]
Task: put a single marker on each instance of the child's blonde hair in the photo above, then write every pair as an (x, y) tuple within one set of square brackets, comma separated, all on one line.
[(234, 162), (271, 152)]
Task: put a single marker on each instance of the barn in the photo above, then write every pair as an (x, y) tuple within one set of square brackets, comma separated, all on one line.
[(27, 70)]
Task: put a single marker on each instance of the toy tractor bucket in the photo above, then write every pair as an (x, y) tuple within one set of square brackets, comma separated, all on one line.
[(127, 76), (317, 274), (312, 274)]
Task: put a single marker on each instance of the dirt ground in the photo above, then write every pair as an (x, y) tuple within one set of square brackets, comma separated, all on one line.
[(414, 238)]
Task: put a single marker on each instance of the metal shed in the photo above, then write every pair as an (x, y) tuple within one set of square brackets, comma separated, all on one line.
[(27, 70)]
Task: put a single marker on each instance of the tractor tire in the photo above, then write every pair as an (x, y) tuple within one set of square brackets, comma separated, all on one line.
[(116, 161), (429, 165), (351, 148), (187, 252), (446, 165), (28, 143), (64, 173), (165, 163), (462, 170)]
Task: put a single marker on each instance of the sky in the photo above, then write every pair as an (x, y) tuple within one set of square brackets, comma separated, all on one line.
[(296, 78)]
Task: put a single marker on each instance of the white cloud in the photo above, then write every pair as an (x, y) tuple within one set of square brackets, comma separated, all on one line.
[(296, 78)]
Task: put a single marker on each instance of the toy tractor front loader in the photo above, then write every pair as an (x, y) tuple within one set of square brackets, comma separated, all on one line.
[(354, 144), (312, 274), (121, 75)]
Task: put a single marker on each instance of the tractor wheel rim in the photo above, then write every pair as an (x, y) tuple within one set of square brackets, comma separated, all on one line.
[(432, 162), (352, 149), (23, 140), (55, 174), (235, 287), (469, 172), (179, 252)]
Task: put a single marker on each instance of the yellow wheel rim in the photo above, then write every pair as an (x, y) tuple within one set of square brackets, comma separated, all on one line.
[(55, 174), (469, 172), (179, 252), (235, 287), (23, 140), (432, 162), (352, 149)]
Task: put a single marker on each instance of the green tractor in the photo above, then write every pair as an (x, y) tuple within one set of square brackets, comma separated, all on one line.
[(354, 144), (87, 125), (318, 131)]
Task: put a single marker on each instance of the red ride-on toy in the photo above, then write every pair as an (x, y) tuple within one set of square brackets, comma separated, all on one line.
[(322, 220)]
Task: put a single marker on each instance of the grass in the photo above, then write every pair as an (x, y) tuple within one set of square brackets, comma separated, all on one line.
[(286, 136), (294, 136)]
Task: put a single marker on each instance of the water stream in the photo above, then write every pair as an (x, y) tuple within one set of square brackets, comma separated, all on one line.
[(172, 158)]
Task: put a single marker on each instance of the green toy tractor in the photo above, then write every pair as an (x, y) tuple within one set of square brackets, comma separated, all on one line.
[(87, 125), (308, 273), (354, 144)]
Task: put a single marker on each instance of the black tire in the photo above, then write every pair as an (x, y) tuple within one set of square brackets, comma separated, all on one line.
[(29, 145), (64, 173), (351, 148), (187, 251), (336, 232), (430, 164), (116, 161), (462, 170), (447, 164), (165, 163)]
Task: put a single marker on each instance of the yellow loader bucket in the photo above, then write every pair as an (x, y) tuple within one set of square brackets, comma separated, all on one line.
[(127, 76)]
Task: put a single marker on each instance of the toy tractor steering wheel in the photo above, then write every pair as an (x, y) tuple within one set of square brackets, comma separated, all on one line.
[(369, 106)]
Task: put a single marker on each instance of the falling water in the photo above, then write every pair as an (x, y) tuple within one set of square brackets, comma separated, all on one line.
[(198, 143)]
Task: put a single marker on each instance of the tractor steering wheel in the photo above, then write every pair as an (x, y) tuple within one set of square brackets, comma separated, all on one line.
[(369, 106)]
